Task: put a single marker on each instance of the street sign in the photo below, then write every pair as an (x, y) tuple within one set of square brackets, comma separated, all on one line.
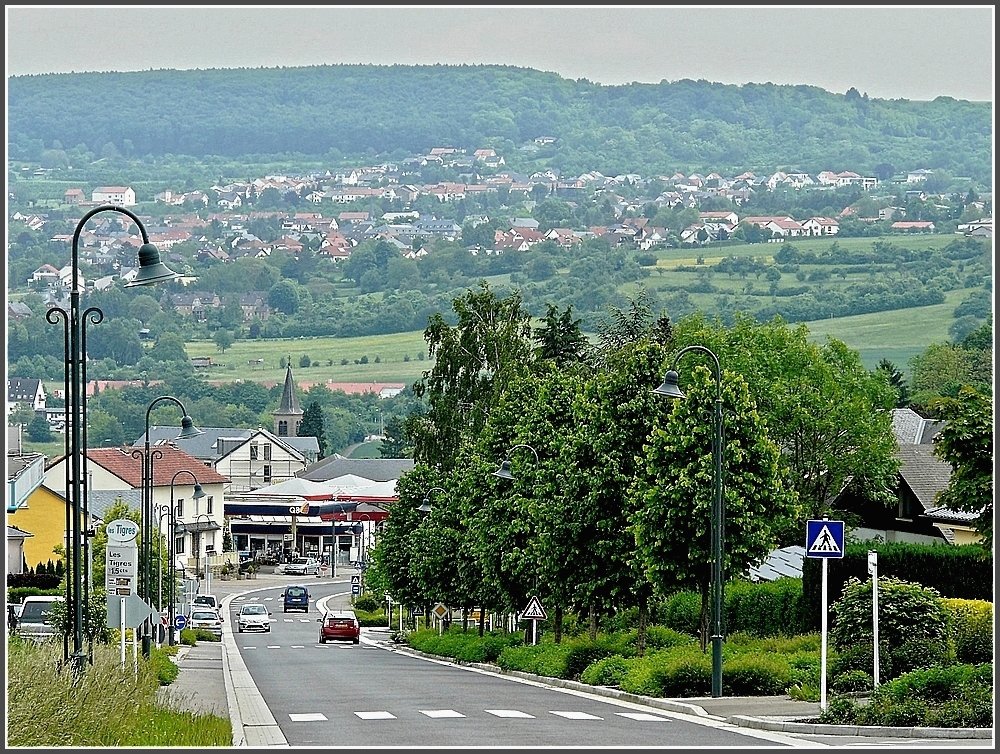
[(180, 621), (534, 610), (872, 562), (441, 611), (824, 539), (356, 578), (121, 565), (355, 588), (416, 611), (122, 530), (137, 610)]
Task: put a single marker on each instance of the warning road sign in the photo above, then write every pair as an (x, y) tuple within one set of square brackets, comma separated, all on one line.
[(534, 610), (824, 539)]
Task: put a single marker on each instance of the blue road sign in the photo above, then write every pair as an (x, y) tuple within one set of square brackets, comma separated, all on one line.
[(180, 621), (824, 539), (355, 588)]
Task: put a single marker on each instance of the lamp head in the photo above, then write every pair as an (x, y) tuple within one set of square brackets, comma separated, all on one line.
[(425, 507), (669, 388), (358, 528), (504, 471), (199, 493), (188, 429), (151, 269)]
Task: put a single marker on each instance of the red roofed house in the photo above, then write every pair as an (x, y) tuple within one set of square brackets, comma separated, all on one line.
[(913, 226)]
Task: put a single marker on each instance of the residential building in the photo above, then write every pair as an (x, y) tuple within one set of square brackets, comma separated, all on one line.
[(123, 196), (25, 391)]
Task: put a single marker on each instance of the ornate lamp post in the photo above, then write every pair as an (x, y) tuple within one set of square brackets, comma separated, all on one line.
[(425, 506), (147, 455), (670, 389), (198, 494), (504, 471), (151, 270), (208, 569)]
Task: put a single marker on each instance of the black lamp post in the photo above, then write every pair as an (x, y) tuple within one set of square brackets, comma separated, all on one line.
[(147, 455), (670, 389), (425, 506), (198, 494), (504, 471), (151, 270)]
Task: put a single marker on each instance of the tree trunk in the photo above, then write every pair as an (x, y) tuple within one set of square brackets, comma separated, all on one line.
[(558, 624), (640, 645), (482, 621), (592, 622)]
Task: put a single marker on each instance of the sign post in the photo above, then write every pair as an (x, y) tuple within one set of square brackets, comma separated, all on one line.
[(441, 612), (121, 564), (533, 612), (824, 539), (873, 572)]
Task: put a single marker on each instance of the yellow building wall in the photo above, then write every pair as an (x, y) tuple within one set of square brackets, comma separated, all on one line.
[(43, 516)]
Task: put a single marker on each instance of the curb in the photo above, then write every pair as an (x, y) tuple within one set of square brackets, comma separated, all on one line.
[(790, 726)]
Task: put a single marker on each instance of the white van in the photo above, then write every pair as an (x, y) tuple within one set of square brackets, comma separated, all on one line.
[(33, 622)]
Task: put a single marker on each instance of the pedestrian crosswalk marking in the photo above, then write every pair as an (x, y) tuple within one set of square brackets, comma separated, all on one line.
[(824, 541), (379, 715), (574, 715), (441, 713), (306, 717), (642, 716), (509, 713)]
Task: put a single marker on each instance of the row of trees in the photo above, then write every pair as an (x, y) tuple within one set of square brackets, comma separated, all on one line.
[(616, 507)]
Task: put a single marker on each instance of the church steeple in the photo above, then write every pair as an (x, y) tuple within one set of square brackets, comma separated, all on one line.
[(288, 417)]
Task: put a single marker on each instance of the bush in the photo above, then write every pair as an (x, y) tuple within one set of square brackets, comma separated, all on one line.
[(756, 675), (368, 603), (660, 637), (545, 659), (683, 674), (906, 611), (768, 608), (852, 681), (970, 629), (914, 654), (582, 654), (608, 671), (682, 612)]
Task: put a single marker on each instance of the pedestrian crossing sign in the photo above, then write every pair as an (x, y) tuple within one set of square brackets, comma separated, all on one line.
[(534, 610), (824, 539)]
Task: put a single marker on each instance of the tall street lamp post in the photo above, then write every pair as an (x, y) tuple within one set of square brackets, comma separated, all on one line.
[(208, 565), (198, 494), (151, 270), (147, 455), (670, 389)]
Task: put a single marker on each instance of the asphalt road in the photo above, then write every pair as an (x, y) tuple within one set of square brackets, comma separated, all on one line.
[(342, 694)]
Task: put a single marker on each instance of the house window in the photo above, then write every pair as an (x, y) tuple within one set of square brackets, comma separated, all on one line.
[(267, 473), (253, 453), (179, 545), (267, 452), (208, 502), (282, 428), (180, 508)]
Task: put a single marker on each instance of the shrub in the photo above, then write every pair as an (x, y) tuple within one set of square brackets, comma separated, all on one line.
[(660, 637), (970, 629), (906, 610), (582, 654), (682, 612), (367, 602), (756, 674), (544, 659), (684, 674), (608, 671), (852, 681), (861, 657), (914, 654), (768, 608)]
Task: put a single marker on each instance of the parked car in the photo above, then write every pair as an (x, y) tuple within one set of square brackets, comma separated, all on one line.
[(295, 597), (253, 617), (33, 621), (206, 618), (302, 567), (340, 624), (208, 600)]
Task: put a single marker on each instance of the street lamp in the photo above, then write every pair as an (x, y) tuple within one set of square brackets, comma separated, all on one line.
[(197, 564), (363, 532), (188, 430), (425, 507), (670, 389), (198, 494), (151, 270), (504, 471)]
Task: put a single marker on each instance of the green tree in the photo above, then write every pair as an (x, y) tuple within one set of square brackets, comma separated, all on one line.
[(560, 338), (896, 381), (393, 443), (676, 489), (223, 339), (313, 425), (284, 297), (39, 430), (966, 442)]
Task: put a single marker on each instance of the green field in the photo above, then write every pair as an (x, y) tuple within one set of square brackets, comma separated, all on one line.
[(391, 352)]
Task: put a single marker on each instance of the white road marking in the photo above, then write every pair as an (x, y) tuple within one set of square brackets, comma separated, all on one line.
[(306, 717), (642, 716), (274, 646), (509, 713), (376, 715), (575, 715), (441, 713), (298, 646), (249, 647)]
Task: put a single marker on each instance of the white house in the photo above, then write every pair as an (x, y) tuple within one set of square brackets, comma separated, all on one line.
[(123, 196)]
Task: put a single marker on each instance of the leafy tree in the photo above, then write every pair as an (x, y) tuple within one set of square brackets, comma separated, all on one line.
[(393, 443), (896, 381), (284, 297), (966, 442), (676, 490), (223, 339), (39, 430), (560, 338), (313, 425)]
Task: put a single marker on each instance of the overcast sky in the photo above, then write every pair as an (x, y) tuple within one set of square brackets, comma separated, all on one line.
[(908, 52)]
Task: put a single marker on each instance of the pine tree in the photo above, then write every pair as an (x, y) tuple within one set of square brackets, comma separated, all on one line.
[(313, 426)]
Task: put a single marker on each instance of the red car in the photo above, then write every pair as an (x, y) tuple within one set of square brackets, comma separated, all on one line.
[(340, 624)]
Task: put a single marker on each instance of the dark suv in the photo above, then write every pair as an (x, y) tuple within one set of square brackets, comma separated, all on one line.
[(296, 598)]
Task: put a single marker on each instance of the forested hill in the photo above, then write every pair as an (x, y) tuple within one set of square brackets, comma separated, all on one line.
[(352, 111)]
